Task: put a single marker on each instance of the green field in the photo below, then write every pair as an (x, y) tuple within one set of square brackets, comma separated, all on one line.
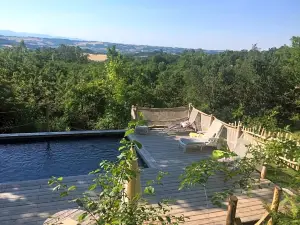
[(284, 177)]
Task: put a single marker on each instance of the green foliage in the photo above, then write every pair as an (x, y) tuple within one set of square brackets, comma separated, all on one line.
[(238, 171), (106, 200), (219, 154), (251, 86), (290, 214), (241, 168), (283, 176), (282, 148), (268, 120)]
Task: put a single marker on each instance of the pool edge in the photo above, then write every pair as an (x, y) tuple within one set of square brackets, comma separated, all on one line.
[(144, 154), (63, 134)]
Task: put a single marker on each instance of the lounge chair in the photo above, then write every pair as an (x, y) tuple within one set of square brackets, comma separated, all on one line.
[(209, 138), (187, 124)]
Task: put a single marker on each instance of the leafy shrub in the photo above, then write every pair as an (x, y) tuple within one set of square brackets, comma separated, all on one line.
[(106, 200)]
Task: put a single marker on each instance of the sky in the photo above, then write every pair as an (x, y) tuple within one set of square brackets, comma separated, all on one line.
[(206, 24)]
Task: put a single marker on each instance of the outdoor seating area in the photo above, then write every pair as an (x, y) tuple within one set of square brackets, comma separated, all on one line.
[(203, 138), (196, 128)]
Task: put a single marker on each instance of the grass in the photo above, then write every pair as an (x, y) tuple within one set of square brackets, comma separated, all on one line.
[(284, 177)]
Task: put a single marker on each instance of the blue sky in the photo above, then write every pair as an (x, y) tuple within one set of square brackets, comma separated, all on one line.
[(207, 24)]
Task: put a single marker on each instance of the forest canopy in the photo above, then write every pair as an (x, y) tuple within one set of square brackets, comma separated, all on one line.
[(63, 87)]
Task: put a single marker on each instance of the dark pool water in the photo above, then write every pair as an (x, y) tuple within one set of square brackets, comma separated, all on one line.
[(38, 160)]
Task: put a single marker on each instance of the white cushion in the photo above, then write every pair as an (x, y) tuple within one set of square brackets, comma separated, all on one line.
[(185, 124)]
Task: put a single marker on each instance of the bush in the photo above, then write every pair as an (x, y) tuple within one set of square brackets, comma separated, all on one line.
[(106, 200)]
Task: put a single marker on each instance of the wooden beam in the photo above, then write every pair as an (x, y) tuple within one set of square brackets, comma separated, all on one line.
[(238, 221), (238, 134), (263, 172), (259, 129), (269, 134), (262, 132), (231, 211), (286, 136), (134, 112), (133, 186), (275, 202), (263, 219)]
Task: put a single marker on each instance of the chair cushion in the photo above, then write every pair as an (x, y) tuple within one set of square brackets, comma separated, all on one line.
[(185, 124), (193, 141), (195, 135)]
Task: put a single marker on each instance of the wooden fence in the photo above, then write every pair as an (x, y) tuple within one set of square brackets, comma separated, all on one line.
[(261, 135), (254, 135), (231, 218), (159, 117)]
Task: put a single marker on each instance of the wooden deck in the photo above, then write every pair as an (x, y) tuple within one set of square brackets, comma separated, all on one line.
[(32, 202)]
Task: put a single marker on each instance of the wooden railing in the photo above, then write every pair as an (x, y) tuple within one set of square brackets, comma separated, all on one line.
[(273, 209), (231, 218), (261, 135), (255, 135)]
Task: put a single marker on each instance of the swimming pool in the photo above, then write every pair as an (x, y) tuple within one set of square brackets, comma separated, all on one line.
[(43, 159)]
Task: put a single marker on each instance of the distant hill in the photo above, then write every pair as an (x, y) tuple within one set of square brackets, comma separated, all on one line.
[(9, 38), (22, 34), (25, 34)]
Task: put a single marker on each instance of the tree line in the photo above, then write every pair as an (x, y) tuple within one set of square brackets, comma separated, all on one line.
[(60, 89)]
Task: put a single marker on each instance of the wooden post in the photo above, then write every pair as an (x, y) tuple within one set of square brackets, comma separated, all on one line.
[(275, 202), (263, 219), (259, 129), (262, 132), (190, 110), (286, 136), (263, 172), (211, 119), (269, 134), (133, 112), (238, 221), (238, 133), (294, 165), (232, 205), (133, 187), (256, 129), (278, 135)]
